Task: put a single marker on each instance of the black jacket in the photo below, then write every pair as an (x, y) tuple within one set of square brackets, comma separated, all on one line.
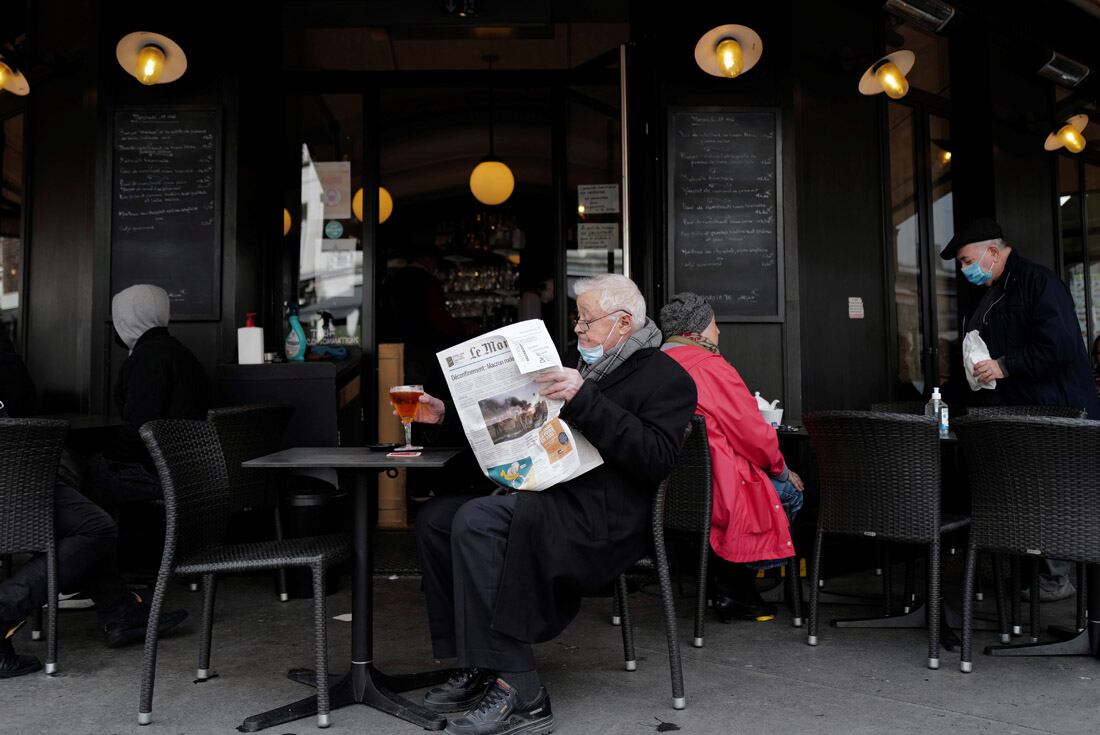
[(579, 536), (1031, 325), (160, 379)]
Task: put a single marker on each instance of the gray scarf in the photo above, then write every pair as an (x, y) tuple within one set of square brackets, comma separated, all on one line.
[(648, 336)]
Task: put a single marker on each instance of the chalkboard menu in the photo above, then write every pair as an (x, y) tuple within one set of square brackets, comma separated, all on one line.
[(725, 210), (166, 212)]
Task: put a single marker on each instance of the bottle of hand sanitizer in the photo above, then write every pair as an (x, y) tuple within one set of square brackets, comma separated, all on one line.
[(937, 408), (296, 337)]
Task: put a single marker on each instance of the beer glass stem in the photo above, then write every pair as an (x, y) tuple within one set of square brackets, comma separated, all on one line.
[(408, 433)]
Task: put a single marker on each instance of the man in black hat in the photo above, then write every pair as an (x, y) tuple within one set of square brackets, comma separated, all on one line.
[(1027, 319)]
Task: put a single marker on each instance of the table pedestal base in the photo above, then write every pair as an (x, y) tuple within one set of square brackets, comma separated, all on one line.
[(364, 684)]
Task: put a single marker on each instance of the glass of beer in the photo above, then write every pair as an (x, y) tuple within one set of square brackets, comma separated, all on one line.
[(406, 400)]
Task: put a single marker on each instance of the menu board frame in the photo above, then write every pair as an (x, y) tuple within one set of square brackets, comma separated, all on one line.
[(210, 255), (727, 312)]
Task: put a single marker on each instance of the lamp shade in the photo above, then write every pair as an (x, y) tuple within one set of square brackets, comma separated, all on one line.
[(151, 58), (385, 205), (888, 75), (12, 80), (492, 182), (718, 57), (1069, 136), (286, 223)]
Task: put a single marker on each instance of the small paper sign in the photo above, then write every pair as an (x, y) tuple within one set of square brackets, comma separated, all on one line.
[(598, 235), (855, 307), (598, 199)]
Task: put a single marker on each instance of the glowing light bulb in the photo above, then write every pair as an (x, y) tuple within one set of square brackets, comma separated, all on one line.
[(893, 82), (5, 73), (731, 59), (1071, 138), (150, 64)]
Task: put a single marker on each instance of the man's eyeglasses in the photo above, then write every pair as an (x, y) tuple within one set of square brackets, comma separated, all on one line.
[(588, 322)]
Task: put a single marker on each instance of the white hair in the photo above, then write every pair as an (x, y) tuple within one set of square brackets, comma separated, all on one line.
[(616, 292)]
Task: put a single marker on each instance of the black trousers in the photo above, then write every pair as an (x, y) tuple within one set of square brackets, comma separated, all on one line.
[(86, 538), (111, 483), (462, 540)]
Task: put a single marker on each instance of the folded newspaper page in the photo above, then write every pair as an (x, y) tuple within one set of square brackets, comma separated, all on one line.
[(515, 432)]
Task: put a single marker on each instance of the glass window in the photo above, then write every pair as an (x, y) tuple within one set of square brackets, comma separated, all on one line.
[(1069, 208), (1092, 212), (11, 226), (943, 228), (905, 250), (327, 130)]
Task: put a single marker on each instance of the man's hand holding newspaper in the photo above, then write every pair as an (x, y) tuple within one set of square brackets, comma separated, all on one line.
[(508, 387), (560, 385)]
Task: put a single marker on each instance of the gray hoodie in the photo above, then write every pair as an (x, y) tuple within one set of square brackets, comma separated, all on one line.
[(138, 309)]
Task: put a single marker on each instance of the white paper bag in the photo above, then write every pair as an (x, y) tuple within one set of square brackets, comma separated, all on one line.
[(974, 351)]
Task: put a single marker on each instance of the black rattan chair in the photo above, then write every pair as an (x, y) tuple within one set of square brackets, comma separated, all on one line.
[(683, 504), (879, 476), (1049, 411), (30, 450), (909, 407), (1035, 490), (248, 432), (193, 475), (668, 602)]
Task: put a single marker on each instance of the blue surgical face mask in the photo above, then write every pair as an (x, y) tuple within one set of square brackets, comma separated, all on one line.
[(976, 274), (592, 355)]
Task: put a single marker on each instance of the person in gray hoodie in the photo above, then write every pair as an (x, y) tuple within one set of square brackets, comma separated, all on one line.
[(160, 379)]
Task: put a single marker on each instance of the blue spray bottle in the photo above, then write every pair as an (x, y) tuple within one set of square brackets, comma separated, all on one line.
[(296, 337)]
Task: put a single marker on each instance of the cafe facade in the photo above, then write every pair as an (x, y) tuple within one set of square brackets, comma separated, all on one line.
[(810, 214)]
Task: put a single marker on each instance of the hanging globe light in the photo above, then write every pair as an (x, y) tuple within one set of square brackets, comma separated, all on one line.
[(491, 181)]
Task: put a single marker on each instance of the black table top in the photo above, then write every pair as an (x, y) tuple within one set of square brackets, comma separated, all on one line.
[(351, 458), (799, 432), (85, 421)]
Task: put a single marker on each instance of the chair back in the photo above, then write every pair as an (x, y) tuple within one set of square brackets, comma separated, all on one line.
[(878, 474), (687, 494), (1064, 412), (1034, 484), (248, 432), (30, 450), (911, 407), (189, 461)]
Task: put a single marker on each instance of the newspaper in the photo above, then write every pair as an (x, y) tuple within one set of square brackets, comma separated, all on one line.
[(516, 434)]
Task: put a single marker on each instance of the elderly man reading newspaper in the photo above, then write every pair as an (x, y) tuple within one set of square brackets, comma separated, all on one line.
[(508, 570)]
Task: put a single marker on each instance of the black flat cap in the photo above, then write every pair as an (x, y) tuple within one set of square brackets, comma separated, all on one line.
[(975, 230)]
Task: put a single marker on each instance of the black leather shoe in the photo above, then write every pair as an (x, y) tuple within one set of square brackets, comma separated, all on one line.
[(461, 693), (12, 664), (501, 713), (126, 622)]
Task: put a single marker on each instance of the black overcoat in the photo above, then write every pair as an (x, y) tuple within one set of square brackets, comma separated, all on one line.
[(578, 536)]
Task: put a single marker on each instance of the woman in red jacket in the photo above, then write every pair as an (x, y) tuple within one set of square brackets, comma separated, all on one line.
[(749, 527)]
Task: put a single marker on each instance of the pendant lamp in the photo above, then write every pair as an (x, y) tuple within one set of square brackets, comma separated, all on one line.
[(491, 181)]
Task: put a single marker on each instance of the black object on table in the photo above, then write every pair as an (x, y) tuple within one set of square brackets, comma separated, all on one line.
[(363, 684)]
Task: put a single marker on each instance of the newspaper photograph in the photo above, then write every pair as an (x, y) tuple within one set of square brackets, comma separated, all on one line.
[(516, 434)]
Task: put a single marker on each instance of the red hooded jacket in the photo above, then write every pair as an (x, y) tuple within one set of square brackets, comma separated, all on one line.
[(747, 521)]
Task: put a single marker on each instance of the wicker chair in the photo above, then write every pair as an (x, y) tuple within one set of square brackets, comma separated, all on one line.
[(30, 450), (1034, 484), (1049, 411), (248, 432), (879, 476), (193, 475), (910, 407), (683, 504)]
